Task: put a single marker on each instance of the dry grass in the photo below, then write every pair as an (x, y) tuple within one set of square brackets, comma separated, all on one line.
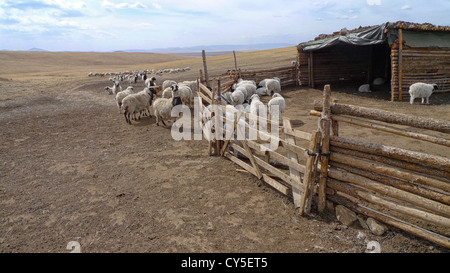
[(51, 64)]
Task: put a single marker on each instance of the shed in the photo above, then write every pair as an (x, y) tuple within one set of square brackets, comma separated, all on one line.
[(401, 53)]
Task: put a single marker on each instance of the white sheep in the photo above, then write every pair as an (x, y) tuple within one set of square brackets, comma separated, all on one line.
[(273, 86), (249, 88), (150, 82), (121, 95), (226, 97), (261, 91), (365, 88), (278, 100), (421, 90), (137, 103), (257, 108), (191, 84), (238, 97), (168, 83), (184, 92), (115, 89), (162, 108), (167, 93)]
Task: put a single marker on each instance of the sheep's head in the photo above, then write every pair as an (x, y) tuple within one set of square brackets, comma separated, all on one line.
[(174, 87), (435, 86), (152, 91), (176, 101)]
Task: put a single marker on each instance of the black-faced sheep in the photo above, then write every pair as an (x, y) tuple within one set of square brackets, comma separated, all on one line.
[(162, 108)]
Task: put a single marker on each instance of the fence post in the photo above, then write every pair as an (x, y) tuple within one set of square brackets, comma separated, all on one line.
[(205, 67), (325, 124)]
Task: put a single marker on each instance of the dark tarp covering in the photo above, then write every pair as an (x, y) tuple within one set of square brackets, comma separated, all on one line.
[(371, 36), (383, 33)]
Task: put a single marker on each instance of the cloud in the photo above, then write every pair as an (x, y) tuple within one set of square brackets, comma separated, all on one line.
[(406, 7), (373, 2), (109, 5)]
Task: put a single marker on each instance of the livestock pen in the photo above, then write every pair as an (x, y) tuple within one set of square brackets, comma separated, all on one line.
[(400, 187)]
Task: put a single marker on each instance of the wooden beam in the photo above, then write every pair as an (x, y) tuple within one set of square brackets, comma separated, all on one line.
[(206, 68), (325, 124), (400, 64), (298, 196)]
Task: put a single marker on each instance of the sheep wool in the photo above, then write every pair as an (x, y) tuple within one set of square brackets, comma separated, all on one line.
[(162, 108), (421, 90)]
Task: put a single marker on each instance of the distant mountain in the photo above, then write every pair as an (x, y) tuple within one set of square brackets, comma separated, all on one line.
[(35, 49), (219, 49)]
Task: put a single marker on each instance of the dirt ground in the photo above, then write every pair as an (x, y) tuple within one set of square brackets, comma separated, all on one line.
[(71, 169)]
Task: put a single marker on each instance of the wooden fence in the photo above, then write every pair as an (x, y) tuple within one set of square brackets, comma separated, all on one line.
[(288, 168), (406, 189)]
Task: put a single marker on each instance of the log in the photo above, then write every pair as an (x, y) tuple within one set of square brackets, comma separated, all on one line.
[(387, 116), (390, 191), (438, 174), (390, 171), (310, 169), (395, 222), (205, 67), (432, 161), (372, 125), (299, 197), (382, 202), (397, 183), (325, 124)]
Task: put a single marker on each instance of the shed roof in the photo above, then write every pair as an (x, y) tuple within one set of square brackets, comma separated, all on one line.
[(379, 34)]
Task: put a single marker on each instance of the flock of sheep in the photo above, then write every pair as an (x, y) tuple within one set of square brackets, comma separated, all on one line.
[(133, 75), (244, 95)]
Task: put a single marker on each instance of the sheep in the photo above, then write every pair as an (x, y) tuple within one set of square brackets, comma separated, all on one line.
[(227, 97), (114, 90), (167, 93), (168, 83), (277, 99), (249, 87), (121, 95), (365, 88), (238, 97), (421, 90), (256, 108), (184, 92), (191, 84), (150, 82), (261, 91), (137, 103), (272, 86), (162, 108)]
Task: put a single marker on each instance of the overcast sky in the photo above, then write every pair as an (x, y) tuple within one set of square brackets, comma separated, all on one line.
[(108, 25)]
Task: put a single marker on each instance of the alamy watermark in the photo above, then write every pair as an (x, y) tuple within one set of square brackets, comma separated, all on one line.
[(220, 123)]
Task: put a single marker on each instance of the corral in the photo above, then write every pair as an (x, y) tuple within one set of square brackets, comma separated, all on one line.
[(76, 171)]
